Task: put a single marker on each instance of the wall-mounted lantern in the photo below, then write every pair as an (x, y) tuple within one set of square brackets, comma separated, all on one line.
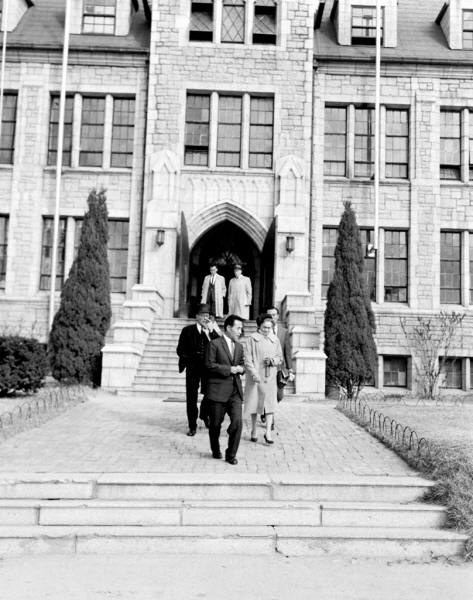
[(160, 237), (289, 244)]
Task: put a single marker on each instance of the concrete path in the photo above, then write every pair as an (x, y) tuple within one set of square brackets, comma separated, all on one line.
[(118, 434)]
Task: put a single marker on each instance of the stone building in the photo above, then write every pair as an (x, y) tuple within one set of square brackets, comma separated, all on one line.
[(232, 131)]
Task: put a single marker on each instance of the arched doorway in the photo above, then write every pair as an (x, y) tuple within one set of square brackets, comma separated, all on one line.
[(225, 244)]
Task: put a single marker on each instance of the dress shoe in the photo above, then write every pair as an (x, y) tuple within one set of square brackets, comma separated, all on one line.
[(216, 455), (254, 439), (231, 461), (268, 441), (191, 432)]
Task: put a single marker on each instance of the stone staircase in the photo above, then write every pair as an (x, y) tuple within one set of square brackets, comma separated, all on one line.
[(293, 514), (158, 373)]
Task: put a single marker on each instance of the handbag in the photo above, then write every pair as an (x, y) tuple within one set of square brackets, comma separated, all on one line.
[(282, 377)]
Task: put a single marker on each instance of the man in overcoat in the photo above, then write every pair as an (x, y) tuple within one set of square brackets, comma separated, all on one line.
[(193, 341), (213, 291), (224, 363), (239, 294)]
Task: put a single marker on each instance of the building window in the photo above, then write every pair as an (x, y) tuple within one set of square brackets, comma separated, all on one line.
[(364, 142), (335, 141), (329, 242), (450, 268), (47, 254), (123, 132), (467, 29), (227, 152), (450, 134), (369, 264), (99, 17), (54, 130), (7, 141), (395, 371), (471, 272), (197, 130), (397, 143), (233, 21), (3, 250), (92, 130), (363, 25), (451, 369), (118, 254), (202, 17), (395, 266), (77, 235), (264, 24)]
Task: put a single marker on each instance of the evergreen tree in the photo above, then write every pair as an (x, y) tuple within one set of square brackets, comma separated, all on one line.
[(349, 324), (84, 314)]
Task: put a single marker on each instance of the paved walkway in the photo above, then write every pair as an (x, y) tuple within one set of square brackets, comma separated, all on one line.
[(118, 434)]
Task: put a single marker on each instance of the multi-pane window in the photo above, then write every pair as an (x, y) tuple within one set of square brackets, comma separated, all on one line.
[(467, 30), (3, 250), (364, 142), (233, 21), (123, 132), (202, 21), (450, 136), (54, 131), (118, 254), (7, 141), (197, 130), (99, 16), (92, 130), (395, 266), (363, 25), (329, 242), (264, 24), (229, 131), (471, 271), (450, 267), (397, 143), (451, 369), (261, 132), (335, 141), (395, 371), (47, 254), (369, 263), (230, 127)]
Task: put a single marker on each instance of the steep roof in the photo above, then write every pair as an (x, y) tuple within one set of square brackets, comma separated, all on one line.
[(42, 26), (420, 39)]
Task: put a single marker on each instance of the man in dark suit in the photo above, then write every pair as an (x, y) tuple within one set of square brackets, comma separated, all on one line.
[(224, 363), (193, 341)]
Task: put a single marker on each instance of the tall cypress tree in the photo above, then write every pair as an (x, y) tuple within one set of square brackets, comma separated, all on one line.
[(84, 314), (349, 321)]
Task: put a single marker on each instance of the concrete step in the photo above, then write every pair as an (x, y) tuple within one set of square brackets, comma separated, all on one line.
[(399, 543), (216, 513)]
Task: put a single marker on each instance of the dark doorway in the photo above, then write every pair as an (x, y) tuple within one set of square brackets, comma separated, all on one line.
[(225, 245)]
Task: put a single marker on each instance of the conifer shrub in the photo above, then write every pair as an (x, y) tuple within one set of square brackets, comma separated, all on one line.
[(349, 323), (23, 364), (83, 318)]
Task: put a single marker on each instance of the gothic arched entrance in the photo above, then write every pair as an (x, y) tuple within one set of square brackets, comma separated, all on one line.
[(225, 245)]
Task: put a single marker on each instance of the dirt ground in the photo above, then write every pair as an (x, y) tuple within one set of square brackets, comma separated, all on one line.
[(183, 577)]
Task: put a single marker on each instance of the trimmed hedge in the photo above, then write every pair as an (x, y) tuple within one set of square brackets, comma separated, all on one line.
[(23, 365)]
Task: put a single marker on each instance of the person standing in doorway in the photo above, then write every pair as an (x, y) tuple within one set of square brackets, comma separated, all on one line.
[(213, 291), (224, 363), (239, 294), (193, 341)]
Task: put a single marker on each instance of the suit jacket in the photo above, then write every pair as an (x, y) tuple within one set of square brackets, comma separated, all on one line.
[(283, 336), (189, 347), (218, 362)]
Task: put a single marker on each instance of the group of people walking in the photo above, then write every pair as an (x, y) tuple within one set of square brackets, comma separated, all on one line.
[(240, 293), (216, 360)]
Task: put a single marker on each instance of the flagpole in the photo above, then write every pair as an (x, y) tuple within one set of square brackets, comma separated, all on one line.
[(377, 122), (60, 142), (4, 57)]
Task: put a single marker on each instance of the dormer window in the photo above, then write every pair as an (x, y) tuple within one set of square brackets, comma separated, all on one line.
[(363, 26), (202, 21), (99, 17), (468, 29), (264, 25)]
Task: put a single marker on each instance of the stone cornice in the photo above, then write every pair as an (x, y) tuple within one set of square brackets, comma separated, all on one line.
[(86, 57)]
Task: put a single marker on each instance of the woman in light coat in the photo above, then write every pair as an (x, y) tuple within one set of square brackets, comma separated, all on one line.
[(263, 354)]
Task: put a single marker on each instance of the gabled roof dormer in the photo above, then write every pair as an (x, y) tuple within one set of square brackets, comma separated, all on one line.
[(16, 9), (355, 22), (456, 22), (102, 17)]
